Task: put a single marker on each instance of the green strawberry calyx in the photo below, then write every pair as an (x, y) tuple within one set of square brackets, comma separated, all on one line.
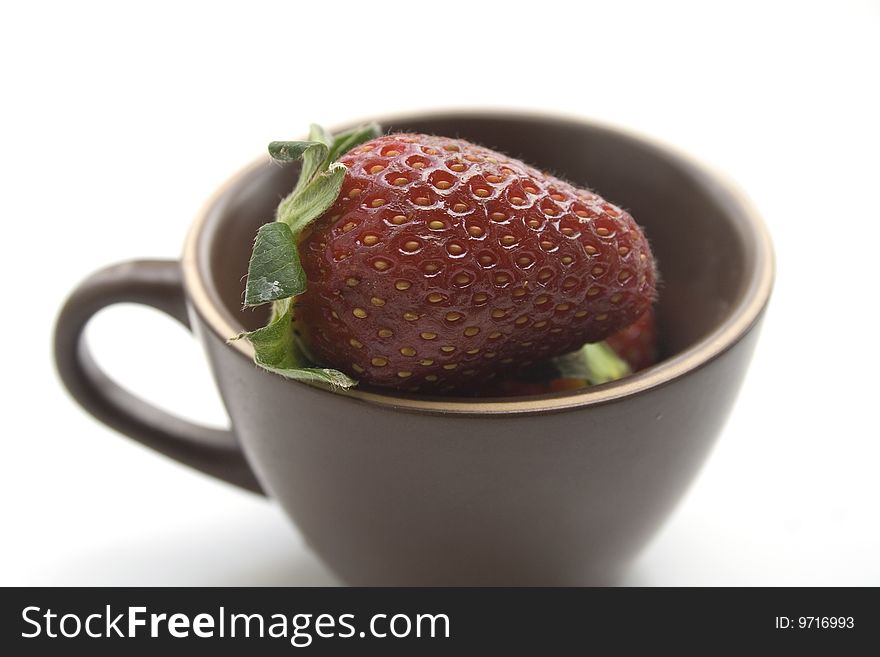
[(596, 363), (275, 273)]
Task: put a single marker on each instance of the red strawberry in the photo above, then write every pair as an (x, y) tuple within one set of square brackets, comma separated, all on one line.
[(637, 343), (442, 263)]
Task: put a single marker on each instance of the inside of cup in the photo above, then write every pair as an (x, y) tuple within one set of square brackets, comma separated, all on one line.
[(698, 238)]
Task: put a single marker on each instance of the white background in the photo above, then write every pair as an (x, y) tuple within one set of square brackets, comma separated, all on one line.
[(118, 122)]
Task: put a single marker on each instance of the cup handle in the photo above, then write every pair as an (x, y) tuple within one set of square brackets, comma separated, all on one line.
[(156, 283)]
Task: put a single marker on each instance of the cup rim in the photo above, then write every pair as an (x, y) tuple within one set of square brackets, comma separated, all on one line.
[(205, 301)]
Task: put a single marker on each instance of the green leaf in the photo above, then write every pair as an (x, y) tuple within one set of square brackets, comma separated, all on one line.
[(291, 151), (314, 162), (318, 133), (321, 149), (312, 153), (345, 141), (307, 204), (276, 350), (325, 375), (275, 271), (597, 363)]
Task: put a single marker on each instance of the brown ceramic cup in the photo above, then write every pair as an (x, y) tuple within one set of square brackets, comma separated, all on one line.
[(390, 489)]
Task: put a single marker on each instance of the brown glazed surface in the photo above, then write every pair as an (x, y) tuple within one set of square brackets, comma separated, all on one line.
[(561, 490)]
